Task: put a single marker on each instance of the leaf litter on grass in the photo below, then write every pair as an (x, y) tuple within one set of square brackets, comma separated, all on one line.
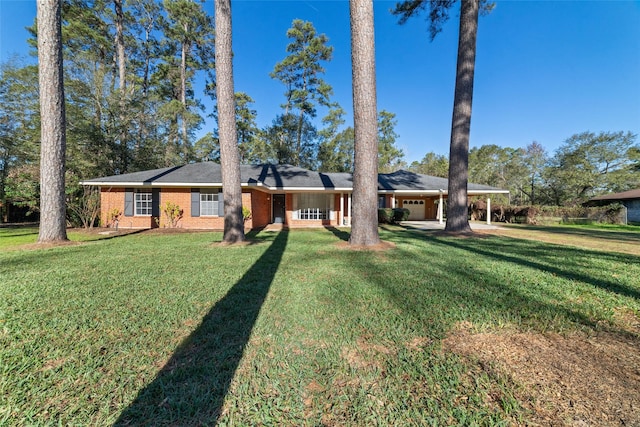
[(575, 379)]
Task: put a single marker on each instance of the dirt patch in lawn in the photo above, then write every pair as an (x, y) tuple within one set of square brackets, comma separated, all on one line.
[(579, 379), (380, 247), (47, 245)]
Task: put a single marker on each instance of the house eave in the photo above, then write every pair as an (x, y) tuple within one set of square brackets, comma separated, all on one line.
[(444, 192)]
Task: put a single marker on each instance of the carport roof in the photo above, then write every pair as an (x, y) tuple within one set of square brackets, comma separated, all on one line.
[(403, 180)]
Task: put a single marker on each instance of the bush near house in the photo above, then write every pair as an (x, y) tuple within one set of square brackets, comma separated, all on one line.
[(172, 213), (392, 215), (246, 214), (385, 215), (400, 214), (112, 217)]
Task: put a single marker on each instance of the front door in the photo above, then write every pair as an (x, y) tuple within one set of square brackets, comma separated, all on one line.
[(278, 208)]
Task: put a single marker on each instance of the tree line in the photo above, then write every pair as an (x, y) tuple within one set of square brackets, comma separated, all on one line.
[(585, 165), (130, 71)]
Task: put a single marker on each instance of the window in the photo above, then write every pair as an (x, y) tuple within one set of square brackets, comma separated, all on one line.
[(313, 206), (143, 203), (209, 203)]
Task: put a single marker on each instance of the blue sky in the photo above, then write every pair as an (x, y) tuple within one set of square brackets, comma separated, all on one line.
[(545, 69)]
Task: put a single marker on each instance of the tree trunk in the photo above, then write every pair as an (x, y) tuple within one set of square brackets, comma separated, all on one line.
[(299, 139), (229, 157), (364, 228), (457, 210), (4, 209), (122, 85), (186, 46), (52, 113), (122, 67)]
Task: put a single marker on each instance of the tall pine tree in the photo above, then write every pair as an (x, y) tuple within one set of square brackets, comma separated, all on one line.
[(53, 225), (364, 228), (229, 158)]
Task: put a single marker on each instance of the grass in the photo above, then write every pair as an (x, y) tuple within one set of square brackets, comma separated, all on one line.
[(13, 236), (293, 329), (608, 237)]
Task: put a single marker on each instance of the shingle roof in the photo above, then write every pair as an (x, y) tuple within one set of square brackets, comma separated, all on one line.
[(410, 181), (278, 177), (631, 194)]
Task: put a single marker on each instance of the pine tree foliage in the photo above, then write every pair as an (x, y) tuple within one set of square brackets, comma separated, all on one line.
[(301, 73)]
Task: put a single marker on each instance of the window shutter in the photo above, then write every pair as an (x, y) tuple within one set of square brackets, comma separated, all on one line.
[(128, 202), (155, 202), (220, 203), (195, 202)]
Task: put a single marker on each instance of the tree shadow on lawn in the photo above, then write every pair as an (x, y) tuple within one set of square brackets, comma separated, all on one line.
[(340, 234), (564, 265), (613, 235), (190, 389), (453, 292)]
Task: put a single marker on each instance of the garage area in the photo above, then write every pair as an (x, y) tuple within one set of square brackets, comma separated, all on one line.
[(416, 208)]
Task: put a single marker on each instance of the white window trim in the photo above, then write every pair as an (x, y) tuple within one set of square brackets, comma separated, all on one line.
[(149, 196), (325, 213), (203, 203)]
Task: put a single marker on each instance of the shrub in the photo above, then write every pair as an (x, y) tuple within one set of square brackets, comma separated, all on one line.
[(83, 206), (385, 216), (246, 214), (400, 214), (112, 217), (172, 213), (392, 215)]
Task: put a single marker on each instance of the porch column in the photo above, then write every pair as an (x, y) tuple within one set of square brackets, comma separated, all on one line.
[(341, 218), (440, 209), (349, 210), (393, 200), (488, 211)]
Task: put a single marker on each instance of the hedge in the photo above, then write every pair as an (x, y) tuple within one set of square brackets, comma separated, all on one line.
[(392, 215)]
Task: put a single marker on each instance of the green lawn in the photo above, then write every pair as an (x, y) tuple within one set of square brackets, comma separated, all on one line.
[(13, 236), (293, 329)]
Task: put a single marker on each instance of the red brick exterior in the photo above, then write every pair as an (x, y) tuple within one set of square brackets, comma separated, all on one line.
[(112, 199), (257, 201), (260, 209)]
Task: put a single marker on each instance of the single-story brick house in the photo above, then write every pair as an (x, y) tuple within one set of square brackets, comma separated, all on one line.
[(630, 199), (285, 194)]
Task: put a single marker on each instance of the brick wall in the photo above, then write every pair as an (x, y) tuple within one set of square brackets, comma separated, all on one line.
[(257, 201), (112, 198), (260, 208)]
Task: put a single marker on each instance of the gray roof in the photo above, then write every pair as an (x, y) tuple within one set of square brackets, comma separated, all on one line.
[(409, 181), (278, 177), (625, 195)]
